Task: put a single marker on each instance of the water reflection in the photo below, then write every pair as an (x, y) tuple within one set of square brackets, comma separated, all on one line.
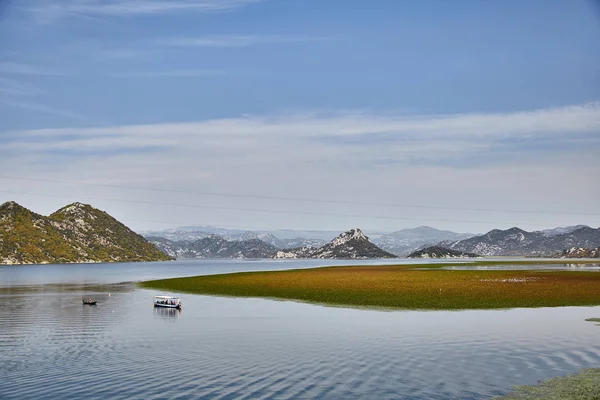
[(51, 346), (171, 314)]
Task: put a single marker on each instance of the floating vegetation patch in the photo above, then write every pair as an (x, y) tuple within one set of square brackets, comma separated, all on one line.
[(582, 386), (401, 287)]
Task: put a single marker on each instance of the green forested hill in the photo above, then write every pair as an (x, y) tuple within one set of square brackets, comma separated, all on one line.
[(75, 233)]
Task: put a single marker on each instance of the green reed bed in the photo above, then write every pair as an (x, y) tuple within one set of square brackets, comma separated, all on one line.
[(582, 386), (401, 287)]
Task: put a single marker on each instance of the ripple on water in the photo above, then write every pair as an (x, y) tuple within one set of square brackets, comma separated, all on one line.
[(51, 346)]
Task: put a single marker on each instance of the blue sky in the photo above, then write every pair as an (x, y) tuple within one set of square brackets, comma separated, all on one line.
[(465, 104)]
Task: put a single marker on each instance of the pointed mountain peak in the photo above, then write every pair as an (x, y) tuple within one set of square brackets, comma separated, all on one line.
[(76, 210), (352, 234)]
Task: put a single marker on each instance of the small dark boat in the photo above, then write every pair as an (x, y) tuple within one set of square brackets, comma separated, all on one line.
[(90, 302)]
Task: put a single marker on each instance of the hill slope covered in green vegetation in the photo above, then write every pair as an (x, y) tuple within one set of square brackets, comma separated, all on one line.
[(75, 233)]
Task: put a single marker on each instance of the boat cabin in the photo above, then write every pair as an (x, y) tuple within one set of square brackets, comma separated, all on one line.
[(167, 302)]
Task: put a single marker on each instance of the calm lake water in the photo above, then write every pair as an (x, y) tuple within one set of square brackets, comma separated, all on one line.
[(51, 346)]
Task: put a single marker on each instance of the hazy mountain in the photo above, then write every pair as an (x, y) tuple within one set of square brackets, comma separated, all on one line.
[(405, 241), (177, 235), (399, 243), (517, 242), (188, 234), (277, 242), (215, 246), (562, 230), (352, 244), (579, 252), (440, 252), (75, 233)]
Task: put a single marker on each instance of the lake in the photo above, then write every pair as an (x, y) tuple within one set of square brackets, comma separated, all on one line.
[(51, 346)]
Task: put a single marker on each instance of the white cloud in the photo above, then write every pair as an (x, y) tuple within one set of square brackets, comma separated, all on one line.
[(48, 12), (402, 133), (235, 40), (366, 157)]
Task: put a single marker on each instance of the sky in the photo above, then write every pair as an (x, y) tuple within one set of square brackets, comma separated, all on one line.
[(466, 115)]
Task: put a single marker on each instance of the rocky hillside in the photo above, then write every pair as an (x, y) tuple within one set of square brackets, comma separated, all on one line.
[(517, 242), (214, 246), (352, 244), (404, 241), (579, 252), (75, 233), (440, 252)]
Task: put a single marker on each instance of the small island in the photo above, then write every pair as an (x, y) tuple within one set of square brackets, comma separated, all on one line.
[(416, 286)]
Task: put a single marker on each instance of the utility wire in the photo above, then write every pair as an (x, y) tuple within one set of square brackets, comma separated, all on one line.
[(262, 210), (306, 200)]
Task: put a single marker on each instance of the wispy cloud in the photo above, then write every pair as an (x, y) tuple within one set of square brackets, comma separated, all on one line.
[(47, 12), (310, 137), (235, 40), (183, 73), (508, 160), (26, 69), (45, 109), (16, 88)]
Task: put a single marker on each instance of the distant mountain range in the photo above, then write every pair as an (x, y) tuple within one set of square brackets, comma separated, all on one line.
[(80, 233), (199, 231), (348, 245), (510, 242), (517, 242), (214, 247), (440, 252), (399, 243), (286, 241), (404, 241), (75, 233)]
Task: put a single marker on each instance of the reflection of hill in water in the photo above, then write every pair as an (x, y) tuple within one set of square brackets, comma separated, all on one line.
[(171, 314)]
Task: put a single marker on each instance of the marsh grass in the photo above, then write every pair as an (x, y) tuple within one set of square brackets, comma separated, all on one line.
[(402, 287), (582, 386)]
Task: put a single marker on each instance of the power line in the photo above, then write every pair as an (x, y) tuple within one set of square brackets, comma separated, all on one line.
[(263, 210), (306, 200)]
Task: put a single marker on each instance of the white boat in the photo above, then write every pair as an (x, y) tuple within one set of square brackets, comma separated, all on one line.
[(167, 302)]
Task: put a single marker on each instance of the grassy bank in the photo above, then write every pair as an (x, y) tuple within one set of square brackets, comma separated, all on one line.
[(403, 287), (582, 386)]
